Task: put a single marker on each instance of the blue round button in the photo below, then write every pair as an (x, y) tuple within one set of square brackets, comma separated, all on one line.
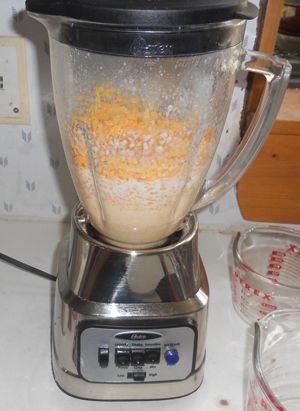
[(171, 357)]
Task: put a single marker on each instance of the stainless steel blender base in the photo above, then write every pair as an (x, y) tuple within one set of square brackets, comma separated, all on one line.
[(70, 381), (128, 324)]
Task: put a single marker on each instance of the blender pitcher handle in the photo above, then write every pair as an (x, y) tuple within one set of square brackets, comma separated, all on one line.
[(276, 72)]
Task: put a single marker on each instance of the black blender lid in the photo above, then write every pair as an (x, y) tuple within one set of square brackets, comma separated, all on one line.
[(146, 13), (145, 28)]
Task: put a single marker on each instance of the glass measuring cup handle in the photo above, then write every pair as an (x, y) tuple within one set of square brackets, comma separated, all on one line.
[(276, 72)]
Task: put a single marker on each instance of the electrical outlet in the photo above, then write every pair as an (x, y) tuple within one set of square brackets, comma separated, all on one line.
[(14, 102)]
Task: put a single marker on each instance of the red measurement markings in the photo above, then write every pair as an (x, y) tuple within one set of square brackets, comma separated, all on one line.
[(264, 404), (253, 398), (263, 312), (257, 404), (273, 401), (294, 249), (269, 306), (278, 253), (266, 407), (277, 259), (276, 266), (249, 288), (276, 262)]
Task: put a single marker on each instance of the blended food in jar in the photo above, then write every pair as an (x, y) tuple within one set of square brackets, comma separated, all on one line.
[(137, 170)]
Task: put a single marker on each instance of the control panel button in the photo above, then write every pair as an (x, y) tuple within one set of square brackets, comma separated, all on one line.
[(137, 357), (171, 357), (103, 357), (137, 376), (122, 357), (152, 356)]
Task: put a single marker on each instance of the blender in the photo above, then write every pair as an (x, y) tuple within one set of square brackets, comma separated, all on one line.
[(142, 89)]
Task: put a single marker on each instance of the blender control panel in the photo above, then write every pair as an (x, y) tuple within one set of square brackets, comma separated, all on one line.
[(131, 356)]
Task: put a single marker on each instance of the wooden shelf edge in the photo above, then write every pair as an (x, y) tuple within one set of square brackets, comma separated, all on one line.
[(286, 127)]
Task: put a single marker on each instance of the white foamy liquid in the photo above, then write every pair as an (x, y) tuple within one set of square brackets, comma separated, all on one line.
[(134, 212)]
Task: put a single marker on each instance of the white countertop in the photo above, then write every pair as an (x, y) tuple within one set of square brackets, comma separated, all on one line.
[(26, 382)]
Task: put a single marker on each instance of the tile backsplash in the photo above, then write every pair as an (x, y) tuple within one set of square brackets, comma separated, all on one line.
[(34, 179)]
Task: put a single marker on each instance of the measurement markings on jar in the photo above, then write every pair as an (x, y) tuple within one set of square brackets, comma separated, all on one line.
[(249, 288), (281, 260), (294, 249), (276, 262)]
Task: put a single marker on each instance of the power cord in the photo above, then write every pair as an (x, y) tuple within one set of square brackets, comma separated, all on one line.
[(27, 267)]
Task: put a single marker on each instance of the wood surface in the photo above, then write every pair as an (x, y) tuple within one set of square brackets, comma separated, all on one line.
[(269, 24), (288, 118), (270, 189)]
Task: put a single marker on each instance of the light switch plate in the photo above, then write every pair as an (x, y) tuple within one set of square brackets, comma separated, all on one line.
[(14, 102)]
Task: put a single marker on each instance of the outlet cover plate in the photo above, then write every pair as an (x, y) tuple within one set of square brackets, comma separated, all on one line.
[(14, 101)]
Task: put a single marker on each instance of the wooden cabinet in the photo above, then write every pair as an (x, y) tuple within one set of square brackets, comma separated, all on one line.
[(270, 189)]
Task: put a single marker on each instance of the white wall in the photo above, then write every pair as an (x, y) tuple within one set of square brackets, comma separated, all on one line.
[(34, 179), (35, 183)]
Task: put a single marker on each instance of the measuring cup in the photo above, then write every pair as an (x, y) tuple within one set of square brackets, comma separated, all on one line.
[(275, 374), (266, 271)]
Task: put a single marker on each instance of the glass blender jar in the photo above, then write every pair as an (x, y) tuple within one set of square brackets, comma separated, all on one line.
[(142, 89)]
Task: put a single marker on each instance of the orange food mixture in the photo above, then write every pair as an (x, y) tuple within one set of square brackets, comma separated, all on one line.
[(130, 139)]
